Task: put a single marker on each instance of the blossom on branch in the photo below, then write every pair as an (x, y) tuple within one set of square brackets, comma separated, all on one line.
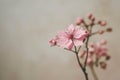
[(72, 36)]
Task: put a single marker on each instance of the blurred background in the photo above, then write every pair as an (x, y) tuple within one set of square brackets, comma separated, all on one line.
[(27, 25)]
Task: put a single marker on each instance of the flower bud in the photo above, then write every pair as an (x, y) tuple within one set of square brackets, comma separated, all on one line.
[(103, 65), (109, 29), (102, 23), (103, 42), (52, 42), (91, 17), (89, 60), (108, 57), (100, 31), (79, 21), (92, 45), (99, 22)]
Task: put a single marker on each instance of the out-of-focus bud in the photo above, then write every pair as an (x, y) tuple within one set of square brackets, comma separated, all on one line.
[(89, 60), (91, 17), (108, 57), (103, 42), (102, 23), (99, 22), (109, 29), (101, 31), (87, 33), (92, 45), (79, 21), (52, 42), (103, 65)]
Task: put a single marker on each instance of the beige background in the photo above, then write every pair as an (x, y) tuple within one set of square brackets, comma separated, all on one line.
[(26, 27)]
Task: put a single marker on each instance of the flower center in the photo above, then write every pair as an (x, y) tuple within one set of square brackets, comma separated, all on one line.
[(71, 36)]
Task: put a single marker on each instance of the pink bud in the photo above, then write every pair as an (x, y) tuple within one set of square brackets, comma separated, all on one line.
[(92, 45), (89, 60), (100, 31), (52, 42), (103, 42), (102, 23), (99, 22), (108, 57), (91, 17), (103, 65), (79, 21), (109, 29), (87, 33)]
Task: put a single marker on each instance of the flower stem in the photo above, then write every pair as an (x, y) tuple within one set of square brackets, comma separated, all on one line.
[(83, 69), (87, 49), (93, 72)]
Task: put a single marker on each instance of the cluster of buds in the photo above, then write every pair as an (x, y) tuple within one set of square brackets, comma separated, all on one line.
[(97, 55), (94, 22)]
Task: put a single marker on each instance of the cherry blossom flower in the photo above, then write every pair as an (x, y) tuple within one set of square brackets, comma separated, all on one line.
[(72, 36)]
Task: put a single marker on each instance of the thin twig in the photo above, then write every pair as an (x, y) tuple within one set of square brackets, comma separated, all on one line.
[(87, 49), (83, 69), (69, 50), (86, 75), (93, 72)]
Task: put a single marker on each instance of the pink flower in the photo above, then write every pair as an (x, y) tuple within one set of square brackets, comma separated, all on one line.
[(52, 42), (72, 36)]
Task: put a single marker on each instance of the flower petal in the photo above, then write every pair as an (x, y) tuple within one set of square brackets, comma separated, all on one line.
[(70, 29), (78, 42)]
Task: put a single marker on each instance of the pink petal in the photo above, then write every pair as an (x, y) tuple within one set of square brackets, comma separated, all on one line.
[(61, 41), (70, 29), (69, 45), (62, 34), (79, 33), (78, 42)]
